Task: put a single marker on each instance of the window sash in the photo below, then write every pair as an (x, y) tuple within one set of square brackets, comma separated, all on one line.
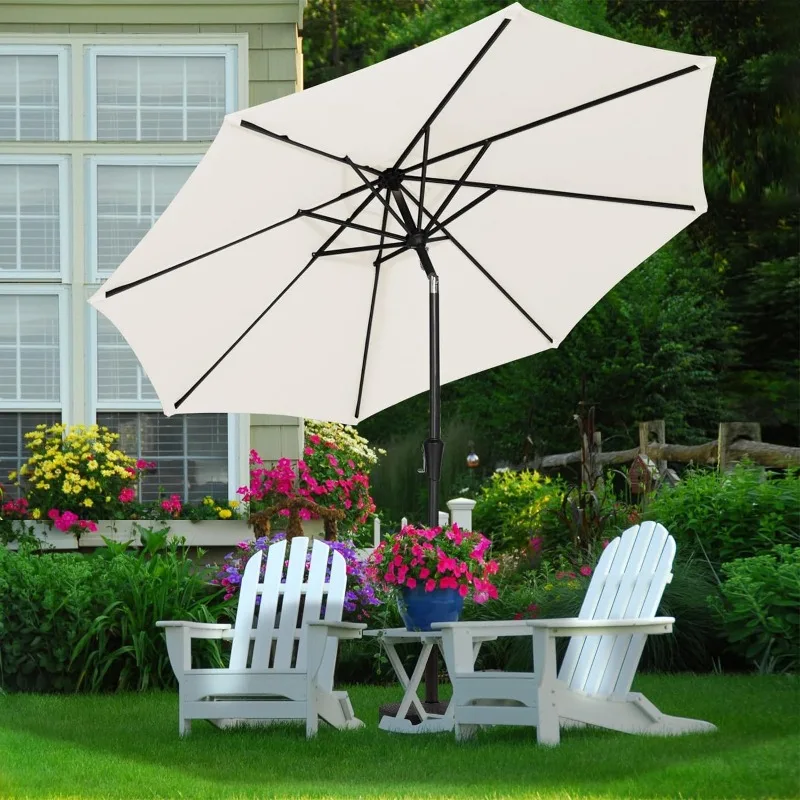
[(147, 208), (18, 355), (139, 107), (15, 219), (13, 110), (13, 427), (174, 443)]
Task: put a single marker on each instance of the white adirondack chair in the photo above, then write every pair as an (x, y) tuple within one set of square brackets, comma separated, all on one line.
[(284, 645), (592, 687)]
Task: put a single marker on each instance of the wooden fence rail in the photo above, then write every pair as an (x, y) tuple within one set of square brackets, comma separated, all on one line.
[(736, 440)]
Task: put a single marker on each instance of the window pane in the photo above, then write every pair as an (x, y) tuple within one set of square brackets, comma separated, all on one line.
[(159, 98), (129, 201), (13, 427), (30, 233), (29, 348), (29, 97), (190, 451), (119, 374)]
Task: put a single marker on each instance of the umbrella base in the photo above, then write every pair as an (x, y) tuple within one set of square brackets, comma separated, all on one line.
[(391, 709)]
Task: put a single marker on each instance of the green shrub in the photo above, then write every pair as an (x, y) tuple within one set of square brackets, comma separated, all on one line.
[(71, 622), (514, 506), (760, 609), (730, 516), (47, 603)]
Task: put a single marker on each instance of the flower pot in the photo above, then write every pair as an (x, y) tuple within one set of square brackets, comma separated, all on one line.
[(419, 608)]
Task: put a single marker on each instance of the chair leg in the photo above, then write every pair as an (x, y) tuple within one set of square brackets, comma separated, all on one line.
[(312, 714), (548, 730), (184, 726), (464, 732)]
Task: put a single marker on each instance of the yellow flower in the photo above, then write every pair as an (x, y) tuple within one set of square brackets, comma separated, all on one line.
[(12, 475), (548, 587), (36, 513), (225, 513), (108, 498), (233, 503), (88, 502), (208, 501)]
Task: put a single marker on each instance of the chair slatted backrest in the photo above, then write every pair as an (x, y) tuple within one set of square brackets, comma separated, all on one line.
[(309, 585), (628, 583)]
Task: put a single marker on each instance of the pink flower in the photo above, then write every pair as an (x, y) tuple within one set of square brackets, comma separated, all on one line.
[(536, 544), (585, 570), (424, 573), (463, 590), (54, 513), (605, 543), (308, 451), (411, 583), (430, 585), (127, 495)]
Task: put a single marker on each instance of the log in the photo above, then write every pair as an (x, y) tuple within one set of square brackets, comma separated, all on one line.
[(768, 455)]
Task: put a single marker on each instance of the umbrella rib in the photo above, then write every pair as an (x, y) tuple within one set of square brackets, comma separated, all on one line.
[(377, 264), (479, 199), (488, 276), (251, 126), (453, 89), (384, 259), (556, 193), (330, 240), (378, 196), (456, 186), (425, 144), (560, 115), (354, 225), (130, 285), (363, 249)]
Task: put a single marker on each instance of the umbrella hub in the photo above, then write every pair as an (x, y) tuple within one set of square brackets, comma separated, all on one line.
[(417, 239), (391, 179)]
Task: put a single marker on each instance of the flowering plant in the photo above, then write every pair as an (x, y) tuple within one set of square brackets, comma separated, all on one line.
[(359, 596), (327, 481), (435, 558), (75, 476)]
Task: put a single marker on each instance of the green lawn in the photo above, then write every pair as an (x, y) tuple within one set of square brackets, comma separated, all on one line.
[(127, 746)]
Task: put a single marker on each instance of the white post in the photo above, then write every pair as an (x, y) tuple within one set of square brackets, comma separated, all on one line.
[(461, 512), (444, 519), (403, 522), (376, 531)]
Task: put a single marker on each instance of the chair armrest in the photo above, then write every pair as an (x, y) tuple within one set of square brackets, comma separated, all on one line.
[(196, 630), (341, 630), (571, 626)]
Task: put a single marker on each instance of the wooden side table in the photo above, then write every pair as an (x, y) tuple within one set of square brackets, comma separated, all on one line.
[(429, 723)]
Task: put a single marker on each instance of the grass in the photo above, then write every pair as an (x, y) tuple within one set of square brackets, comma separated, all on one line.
[(127, 746)]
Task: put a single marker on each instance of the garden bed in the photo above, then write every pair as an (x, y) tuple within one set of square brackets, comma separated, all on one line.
[(203, 533)]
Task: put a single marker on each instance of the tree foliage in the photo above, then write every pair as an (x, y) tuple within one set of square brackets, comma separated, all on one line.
[(707, 329)]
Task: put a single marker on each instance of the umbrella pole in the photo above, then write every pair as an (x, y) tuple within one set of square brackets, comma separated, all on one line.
[(433, 447)]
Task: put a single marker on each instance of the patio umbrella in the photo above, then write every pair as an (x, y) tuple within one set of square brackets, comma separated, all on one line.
[(525, 167)]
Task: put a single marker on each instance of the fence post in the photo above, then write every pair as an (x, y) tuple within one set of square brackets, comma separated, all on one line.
[(658, 429), (444, 519), (729, 432), (461, 512), (376, 531)]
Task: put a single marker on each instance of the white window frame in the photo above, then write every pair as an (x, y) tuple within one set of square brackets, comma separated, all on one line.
[(64, 97), (229, 52), (93, 162), (64, 275), (64, 343), (238, 424)]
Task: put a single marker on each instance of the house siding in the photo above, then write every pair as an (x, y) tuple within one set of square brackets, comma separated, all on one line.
[(273, 69)]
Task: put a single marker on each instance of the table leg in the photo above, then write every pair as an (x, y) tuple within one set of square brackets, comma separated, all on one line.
[(410, 697)]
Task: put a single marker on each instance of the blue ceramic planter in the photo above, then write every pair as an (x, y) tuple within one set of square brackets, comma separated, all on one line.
[(419, 608)]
